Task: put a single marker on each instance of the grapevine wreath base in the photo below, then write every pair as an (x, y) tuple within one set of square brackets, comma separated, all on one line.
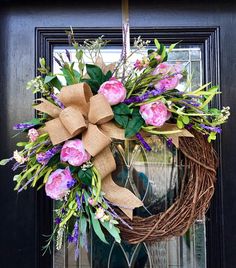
[(197, 189)]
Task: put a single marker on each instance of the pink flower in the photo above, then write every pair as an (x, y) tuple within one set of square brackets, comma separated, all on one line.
[(138, 65), (154, 113), (168, 83), (33, 134), (163, 69), (74, 153), (92, 202), (113, 90), (57, 185)]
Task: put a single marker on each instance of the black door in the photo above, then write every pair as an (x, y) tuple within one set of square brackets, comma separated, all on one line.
[(30, 30)]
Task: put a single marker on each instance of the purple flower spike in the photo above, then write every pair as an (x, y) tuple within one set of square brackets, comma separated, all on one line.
[(141, 139), (57, 101), (213, 129), (22, 126), (145, 96), (44, 157)]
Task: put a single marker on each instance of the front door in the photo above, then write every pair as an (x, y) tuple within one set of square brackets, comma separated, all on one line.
[(29, 31)]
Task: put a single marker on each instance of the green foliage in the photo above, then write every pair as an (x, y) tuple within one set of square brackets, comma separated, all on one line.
[(135, 123), (97, 77), (97, 227), (121, 114), (86, 176)]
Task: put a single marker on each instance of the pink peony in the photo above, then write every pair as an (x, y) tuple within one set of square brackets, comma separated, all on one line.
[(33, 134), (168, 83), (163, 69), (74, 153), (113, 90), (154, 113), (57, 185)]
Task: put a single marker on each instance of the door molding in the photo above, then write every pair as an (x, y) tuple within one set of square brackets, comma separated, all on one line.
[(208, 38)]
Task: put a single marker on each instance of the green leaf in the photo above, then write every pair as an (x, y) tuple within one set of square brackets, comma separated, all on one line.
[(3, 162), (54, 160), (121, 109), (48, 78), (97, 228), (172, 46), (185, 119), (79, 54), (69, 76), (157, 44), (93, 84), (21, 144), (180, 124), (77, 75), (53, 80), (86, 176), (108, 75), (122, 120), (134, 124), (114, 231), (212, 136), (95, 73), (83, 224)]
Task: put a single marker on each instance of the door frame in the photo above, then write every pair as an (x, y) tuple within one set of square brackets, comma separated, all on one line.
[(208, 38)]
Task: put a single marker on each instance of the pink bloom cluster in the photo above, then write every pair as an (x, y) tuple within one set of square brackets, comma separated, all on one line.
[(33, 134), (113, 90), (74, 153), (171, 73), (57, 185), (155, 113)]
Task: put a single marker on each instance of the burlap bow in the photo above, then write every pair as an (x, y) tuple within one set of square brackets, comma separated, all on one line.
[(89, 115)]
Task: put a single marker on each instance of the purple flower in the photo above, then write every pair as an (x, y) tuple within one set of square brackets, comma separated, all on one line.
[(57, 61), (70, 238), (213, 129), (192, 102), (44, 157), (68, 54), (189, 126), (22, 126), (169, 142), (144, 143), (151, 93), (77, 197), (57, 101), (57, 220), (71, 183)]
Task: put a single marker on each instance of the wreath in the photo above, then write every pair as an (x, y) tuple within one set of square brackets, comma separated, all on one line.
[(68, 151)]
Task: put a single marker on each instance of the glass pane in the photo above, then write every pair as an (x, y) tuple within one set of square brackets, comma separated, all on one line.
[(153, 177)]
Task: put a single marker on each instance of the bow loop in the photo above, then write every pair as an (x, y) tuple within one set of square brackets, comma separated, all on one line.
[(78, 95), (100, 111)]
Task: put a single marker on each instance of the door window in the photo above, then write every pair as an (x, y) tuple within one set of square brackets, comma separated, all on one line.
[(154, 177)]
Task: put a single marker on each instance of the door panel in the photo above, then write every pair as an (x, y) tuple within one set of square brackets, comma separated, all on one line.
[(26, 216)]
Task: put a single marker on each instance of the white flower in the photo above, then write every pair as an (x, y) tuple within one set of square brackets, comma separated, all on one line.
[(99, 213), (19, 158)]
